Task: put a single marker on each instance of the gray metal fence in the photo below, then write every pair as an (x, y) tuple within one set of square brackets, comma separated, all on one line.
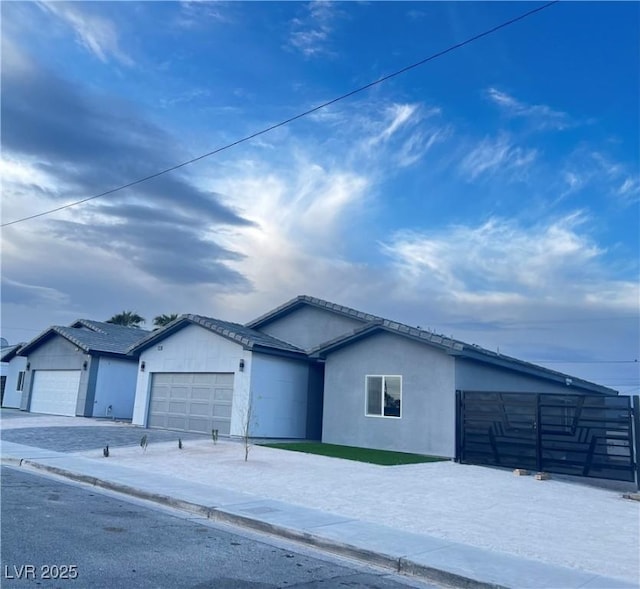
[(583, 435)]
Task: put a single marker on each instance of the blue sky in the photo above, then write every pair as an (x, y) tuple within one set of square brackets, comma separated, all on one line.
[(492, 194)]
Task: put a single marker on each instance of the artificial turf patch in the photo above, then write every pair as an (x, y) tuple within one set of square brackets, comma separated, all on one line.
[(381, 457)]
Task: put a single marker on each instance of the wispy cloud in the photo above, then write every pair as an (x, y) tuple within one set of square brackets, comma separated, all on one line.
[(96, 34), (311, 32), (198, 13), (31, 294), (503, 263), (406, 131), (630, 188), (541, 115), (496, 155), (586, 168)]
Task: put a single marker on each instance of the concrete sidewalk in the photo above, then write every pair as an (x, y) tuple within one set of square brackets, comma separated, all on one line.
[(431, 558)]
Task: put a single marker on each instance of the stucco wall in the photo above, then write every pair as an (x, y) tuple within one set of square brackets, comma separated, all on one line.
[(115, 386), (12, 396), (475, 376), (278, 397), (195, 349), (308, 327), (58, 354), (427, 424)]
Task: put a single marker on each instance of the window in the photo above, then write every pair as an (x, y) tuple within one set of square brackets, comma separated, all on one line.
[(20, 385), (384, 396)]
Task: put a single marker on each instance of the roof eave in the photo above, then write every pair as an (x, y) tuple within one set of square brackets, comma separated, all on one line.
[(160, 334), (272, 351)]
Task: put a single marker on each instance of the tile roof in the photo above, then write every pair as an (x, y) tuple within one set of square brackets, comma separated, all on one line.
[(455, 348), (93, 337), (9, 352), (243, 335), (301, 300)]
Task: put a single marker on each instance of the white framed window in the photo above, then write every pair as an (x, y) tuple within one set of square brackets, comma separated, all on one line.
[(20, 385), (383, 395)]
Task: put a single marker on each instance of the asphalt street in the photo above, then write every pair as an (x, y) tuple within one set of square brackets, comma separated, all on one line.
[(59, 534)]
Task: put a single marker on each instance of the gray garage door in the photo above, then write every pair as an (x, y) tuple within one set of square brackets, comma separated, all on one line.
[(192, 402)]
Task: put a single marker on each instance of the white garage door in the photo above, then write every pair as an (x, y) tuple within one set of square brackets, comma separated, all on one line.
[(192, 402), (55, 392)]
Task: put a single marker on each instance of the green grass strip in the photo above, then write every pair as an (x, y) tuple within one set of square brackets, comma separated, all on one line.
[(381, 457)]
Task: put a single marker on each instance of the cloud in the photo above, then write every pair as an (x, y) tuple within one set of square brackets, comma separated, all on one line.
[(496, 155), (30, 294), (405, 132), (96, 34), (630, 188), (310, 34), (541, 115), (198, 13), (591, 169), (500, 264), (63, 142)]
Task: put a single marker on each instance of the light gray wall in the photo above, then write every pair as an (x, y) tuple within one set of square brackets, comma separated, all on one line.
[(58, 354), (476, 376), (308, 327), (427, 424), (12, 396), (278, 397), (116, 387)]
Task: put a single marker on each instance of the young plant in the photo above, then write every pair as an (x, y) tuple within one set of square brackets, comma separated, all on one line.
[(247, 422)]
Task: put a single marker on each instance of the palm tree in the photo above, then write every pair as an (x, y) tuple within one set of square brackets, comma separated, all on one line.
[(162, 320), (127, 319)]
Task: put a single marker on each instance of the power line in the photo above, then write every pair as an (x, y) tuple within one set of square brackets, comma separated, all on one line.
[(585, 361), (294, 118)]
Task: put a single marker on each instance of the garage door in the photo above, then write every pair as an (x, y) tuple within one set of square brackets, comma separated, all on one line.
[(55, 392), (193, 402)]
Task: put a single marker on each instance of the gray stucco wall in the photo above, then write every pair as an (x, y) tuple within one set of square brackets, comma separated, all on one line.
[(278, 397), (115, 388), (308, 327), (475, 376), (427, 424), (58, 354)]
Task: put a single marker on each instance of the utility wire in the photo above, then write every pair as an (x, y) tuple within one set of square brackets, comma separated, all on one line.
[(294, 118)]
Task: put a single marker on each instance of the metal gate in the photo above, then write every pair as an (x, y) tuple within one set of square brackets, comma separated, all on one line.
[(584, 435)]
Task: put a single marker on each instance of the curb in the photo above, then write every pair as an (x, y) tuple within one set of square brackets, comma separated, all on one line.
[(400, 565)]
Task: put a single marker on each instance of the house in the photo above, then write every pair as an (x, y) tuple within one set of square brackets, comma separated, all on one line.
[(199, 374), (391, 386), (83, 370), (13, 369)]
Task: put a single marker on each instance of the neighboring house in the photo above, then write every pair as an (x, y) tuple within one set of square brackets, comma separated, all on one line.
[(83, 370), (391, 386), (13, 369), (199, 374)]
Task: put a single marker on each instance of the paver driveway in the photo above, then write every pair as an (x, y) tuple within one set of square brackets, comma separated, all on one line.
[(79, 438)]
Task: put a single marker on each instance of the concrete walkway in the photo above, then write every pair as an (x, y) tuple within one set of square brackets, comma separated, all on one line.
[(431, 558)]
